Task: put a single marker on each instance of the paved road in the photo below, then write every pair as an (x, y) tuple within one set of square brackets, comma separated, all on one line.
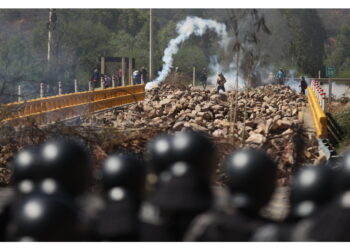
[(278, 207), (307, 118)]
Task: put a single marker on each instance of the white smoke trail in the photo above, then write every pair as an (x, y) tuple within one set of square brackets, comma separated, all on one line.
[(185, 28), (292, 82)]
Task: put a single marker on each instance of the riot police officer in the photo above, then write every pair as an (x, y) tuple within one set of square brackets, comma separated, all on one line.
[(123, 179), (183, 190), (311, 190), (24, 168), (52, 177), (331, 223), (251, 181), (44, 217)]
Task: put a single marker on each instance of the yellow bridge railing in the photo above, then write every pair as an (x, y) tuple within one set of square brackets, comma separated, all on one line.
[(56, 108), (318, 115)]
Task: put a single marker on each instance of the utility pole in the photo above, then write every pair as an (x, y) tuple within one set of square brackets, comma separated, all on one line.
[(51, 25), (49, 39), (150, 45)]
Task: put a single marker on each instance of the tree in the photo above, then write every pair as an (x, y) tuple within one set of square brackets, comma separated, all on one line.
[(18, 65), (308, 36), (340, 56), (190, 56)]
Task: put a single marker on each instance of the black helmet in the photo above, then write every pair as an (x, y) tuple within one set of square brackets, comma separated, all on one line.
[(195, 148), (44, 218), (311, 187), (342, 183), (123, 171), (251, 178), (66, 161), (25, 165), (182, 188), (159, 153)]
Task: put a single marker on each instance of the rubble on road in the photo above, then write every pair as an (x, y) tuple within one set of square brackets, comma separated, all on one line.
[(267, 118)]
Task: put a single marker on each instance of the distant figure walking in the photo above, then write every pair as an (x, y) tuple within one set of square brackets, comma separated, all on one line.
[(303, 85), (280, 76), (221, 82), (203, 78)]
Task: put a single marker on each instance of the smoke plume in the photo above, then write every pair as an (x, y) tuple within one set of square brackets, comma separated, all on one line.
[(185, 28), (229, 72)]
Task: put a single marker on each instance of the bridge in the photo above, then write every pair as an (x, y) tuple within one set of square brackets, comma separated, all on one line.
[(52, 109), (49, 110)]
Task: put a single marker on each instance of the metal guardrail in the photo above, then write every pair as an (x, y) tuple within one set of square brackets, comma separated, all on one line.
[(319, 93), (55, 108), (318, 115), (322, 80)]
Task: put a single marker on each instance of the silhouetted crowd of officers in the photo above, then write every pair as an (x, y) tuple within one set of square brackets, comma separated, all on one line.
[(167, 195), (138, 77)]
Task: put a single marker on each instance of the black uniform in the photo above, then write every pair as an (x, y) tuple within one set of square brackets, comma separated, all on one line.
[(311, 190), (183, 191), (123, 183), (332, 222), (251, 180), (303, 86), (144, 75), (203, 78), (180, 197), (232, 225)]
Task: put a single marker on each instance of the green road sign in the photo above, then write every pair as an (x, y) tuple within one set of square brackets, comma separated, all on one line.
[(330, 71)]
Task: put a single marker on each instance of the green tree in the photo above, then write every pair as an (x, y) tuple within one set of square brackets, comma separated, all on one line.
[(340, 56), (190, 56), (308, 36), (18, 65)]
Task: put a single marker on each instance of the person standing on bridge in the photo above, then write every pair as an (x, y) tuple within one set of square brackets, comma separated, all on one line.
[(95, 78), (119, 75), (303, 85), (144, 75), (203, 78), (221, 82), (280, 76), (137, 77)]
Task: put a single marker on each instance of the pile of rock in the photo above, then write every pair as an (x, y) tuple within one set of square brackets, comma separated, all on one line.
[(266, 117)]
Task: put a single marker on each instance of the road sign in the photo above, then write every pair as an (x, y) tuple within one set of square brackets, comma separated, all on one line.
[(330, 71)]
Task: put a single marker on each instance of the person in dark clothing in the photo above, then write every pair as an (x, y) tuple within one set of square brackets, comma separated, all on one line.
[(251, 181), (123, 178), (144, 75), (203, 78), (332, 223), (311, 190), (221, 80), (136, 77), (108, 81), (118, 77), (24, 167), (44, 217), (183, 190), (51, 179), (280, 76), (95, 79), (303, 85)]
